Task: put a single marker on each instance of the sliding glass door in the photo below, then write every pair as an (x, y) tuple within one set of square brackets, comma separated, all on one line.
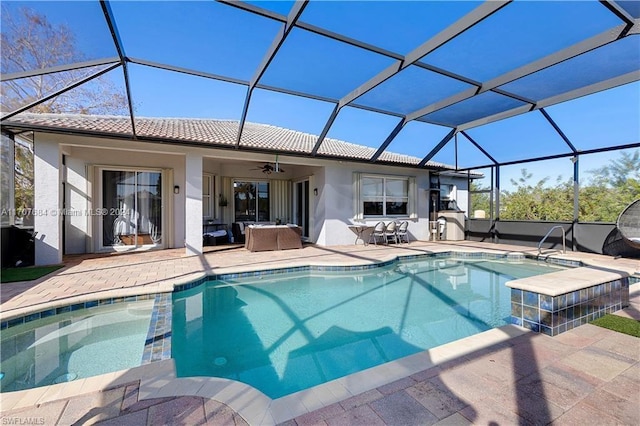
[(301, 206), (251, 201), (131, 208)]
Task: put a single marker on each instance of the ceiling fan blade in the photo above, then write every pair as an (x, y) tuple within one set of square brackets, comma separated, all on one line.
[(269, 168)]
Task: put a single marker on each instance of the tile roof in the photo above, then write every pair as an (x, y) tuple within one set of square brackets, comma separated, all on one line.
[(210, 131)]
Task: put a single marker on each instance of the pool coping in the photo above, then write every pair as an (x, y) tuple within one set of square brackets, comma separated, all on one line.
[(158, 378), (567, 280)]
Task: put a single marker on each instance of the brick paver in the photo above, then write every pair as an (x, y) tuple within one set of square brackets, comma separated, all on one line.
[(588, 375)]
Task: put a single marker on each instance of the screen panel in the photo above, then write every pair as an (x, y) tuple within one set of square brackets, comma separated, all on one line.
[(102, 96), (518, 138), (283, 7), (609, 182), (631, 6), (410, 90), (203, 36), (537, 191), (21, 92), (362, 127), (282, 110), (316, 65), (460, 153), (417, 139), (518, 34), (397, 26), (609, 61), (183, 95), (607, 118), (483, 105), (44, 34)]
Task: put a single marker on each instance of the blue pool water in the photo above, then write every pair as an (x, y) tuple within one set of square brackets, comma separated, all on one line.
[(74, 345), (285, 333)]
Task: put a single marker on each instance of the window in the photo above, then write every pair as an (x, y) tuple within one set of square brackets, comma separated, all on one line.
[(385, 196), (251, 201), (207, 196)]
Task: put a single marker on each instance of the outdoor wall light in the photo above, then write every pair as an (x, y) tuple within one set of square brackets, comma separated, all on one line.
[(176, 189), (315, 191)]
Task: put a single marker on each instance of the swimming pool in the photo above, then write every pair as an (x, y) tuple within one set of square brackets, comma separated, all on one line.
[(74, 344), (285, 333)]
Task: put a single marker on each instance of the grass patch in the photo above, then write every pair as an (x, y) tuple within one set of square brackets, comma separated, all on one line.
[(620, 324), (29, 273)]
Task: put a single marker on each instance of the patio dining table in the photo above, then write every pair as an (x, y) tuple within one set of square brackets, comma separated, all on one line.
[(361, 231)]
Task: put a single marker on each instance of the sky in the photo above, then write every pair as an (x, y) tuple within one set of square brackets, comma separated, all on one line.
[(223, 40)]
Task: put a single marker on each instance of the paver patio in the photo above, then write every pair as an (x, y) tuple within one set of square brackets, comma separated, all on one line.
[(588, 375)]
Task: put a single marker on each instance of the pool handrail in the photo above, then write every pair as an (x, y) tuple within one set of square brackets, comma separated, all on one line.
[(564, 245)]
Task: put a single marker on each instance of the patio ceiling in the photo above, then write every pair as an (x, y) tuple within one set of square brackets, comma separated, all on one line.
[(433, 72)]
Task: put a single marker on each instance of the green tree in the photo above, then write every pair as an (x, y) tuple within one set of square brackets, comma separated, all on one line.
[(619, 171), (539, 202), (611, 188), (601, 198), (599, 204)]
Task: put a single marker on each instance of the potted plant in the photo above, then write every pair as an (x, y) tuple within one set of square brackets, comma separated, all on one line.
[(222, 200)]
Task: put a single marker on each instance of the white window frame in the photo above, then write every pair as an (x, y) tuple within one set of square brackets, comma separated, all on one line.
[(359, 200), (208, 199)]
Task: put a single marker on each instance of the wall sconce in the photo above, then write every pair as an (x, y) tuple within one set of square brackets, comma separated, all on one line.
[(315, 191), (176, 189)]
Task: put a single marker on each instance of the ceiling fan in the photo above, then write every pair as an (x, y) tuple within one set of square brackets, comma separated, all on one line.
[(268, 168)]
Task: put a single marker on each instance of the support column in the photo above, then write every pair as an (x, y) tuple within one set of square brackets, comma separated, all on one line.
[(576, 201), (496, 219), (193, 204), (47, 201)]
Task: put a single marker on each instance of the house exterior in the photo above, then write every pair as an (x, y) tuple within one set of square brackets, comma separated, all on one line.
[(98, 189)]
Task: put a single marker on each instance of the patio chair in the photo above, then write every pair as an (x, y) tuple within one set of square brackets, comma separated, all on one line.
[(238, 231), (390, 232), (402, 233), (629, 224), (120, 228), (153, 233), (378, 232), (624, 239)]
